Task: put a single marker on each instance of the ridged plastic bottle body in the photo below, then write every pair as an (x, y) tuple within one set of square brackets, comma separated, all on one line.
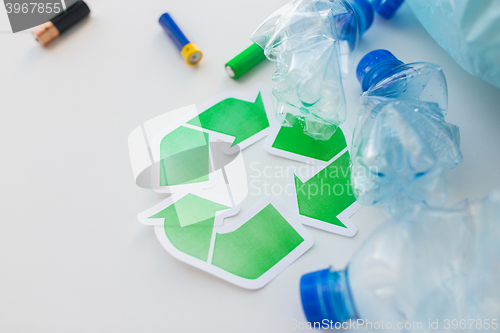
[(413, 272), (419, 81), (467, 30), (311, 42), (402, 143), (483, 287), (436, 266), (420, 273)]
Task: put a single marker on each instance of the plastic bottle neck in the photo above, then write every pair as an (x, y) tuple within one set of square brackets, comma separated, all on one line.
[(386, 8), (364, 14), (327, 295), (375, 67), (380, 72), (355, 22)]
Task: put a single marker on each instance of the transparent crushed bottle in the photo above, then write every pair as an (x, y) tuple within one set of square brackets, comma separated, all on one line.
[(410, 274), (482, 298), (402, 144), (468, 30), (312, 42), (386, 8)]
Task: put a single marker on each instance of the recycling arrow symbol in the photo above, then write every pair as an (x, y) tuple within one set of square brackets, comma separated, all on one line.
[(175, 153)]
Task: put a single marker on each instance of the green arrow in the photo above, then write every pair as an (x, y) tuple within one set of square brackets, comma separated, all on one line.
[(234, 117), (328, 193), (256, 246), (189, 224), (294, 140), (184, 155)]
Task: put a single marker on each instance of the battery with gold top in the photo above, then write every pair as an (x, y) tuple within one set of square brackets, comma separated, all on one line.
[(49, 31), (189, 51)]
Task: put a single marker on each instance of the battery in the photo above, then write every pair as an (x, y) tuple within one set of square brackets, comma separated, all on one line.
[(49, 31), (245, 61), (189, 51)]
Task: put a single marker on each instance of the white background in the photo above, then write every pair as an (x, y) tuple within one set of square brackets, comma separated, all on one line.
[(73, 257)]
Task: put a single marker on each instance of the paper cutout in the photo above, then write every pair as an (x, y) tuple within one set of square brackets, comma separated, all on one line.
[(294, 140), (168, 157), (167, 152), (234, 117), (249, 252), (181, 153), (257, 245), (236, 177), (141, 138), (242, 119), (185, 161), (184, 153), (188, 224), (292, 143), (323, 198)]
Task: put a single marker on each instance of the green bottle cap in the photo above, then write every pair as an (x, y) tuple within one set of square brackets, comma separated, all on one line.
[(245, 61)]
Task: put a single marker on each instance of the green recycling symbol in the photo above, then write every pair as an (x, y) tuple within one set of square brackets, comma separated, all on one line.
[(194, 154)]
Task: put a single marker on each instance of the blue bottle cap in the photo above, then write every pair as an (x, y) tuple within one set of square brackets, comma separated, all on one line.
[(364, 14), (375, 66), (386, 8), (326, 295)]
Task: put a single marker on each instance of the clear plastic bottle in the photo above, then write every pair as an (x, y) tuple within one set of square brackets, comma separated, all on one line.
[(312, 42), (410, 274), (468, 30), (483, 287), (402, 144), (386, 8)]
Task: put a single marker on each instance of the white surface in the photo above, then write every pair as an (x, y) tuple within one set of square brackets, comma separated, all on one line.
[(73, 256)]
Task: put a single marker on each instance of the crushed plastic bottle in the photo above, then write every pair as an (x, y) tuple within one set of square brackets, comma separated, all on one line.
[(468, 30), (311, 42), (483, 287), (415, 272), (386, 8), (402, 144)]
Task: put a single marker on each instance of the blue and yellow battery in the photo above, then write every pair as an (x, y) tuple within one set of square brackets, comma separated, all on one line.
[(189, 51)]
